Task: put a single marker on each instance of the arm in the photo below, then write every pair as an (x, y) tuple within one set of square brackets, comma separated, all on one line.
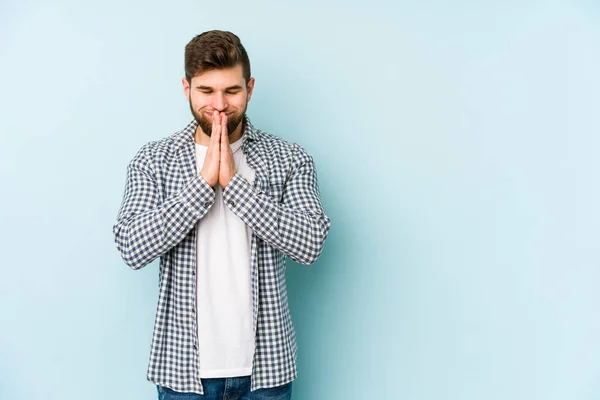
[(147, 227), (298, 225)]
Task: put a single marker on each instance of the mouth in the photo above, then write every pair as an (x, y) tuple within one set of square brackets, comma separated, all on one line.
[(210, 114)]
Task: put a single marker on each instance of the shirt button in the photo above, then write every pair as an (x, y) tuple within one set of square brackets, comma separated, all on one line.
[(231, 203), (207, 204)]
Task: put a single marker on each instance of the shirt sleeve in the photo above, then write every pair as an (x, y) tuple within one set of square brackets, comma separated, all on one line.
[(147, 227), (298, 225)]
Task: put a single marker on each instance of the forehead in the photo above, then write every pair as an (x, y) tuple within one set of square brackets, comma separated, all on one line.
[(220, 77)]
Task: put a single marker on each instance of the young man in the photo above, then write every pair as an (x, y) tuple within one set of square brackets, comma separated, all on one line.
[(222, 204)]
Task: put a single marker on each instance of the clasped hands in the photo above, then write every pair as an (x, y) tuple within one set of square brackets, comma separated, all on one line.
[(219, 166)]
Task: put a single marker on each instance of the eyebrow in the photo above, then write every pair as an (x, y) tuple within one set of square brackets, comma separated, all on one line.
[(236, 87)]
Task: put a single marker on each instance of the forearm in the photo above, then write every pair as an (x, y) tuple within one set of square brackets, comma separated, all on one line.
[(146, 229), (297, 232)]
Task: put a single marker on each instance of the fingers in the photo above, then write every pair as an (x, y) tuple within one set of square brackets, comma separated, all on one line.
[(216, 131), (227, 165), (224, 133), (216, 125)]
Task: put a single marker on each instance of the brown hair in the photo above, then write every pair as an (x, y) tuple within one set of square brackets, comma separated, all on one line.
[(215, 50)]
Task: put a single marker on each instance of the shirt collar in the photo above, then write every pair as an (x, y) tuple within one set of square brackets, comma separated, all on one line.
[(186, 135)]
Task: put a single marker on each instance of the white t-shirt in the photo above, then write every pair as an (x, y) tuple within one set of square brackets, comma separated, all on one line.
[(223, 287)]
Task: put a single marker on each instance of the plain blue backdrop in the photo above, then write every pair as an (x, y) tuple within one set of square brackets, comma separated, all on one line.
[(457, 150)]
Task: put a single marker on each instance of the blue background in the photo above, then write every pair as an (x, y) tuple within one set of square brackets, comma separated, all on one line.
[(457, 148)]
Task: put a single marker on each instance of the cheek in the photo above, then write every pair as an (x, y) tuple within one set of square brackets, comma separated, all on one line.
[(197, 101), (240, 102)]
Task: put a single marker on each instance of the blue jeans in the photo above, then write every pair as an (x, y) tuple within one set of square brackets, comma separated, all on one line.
[(237, 388)]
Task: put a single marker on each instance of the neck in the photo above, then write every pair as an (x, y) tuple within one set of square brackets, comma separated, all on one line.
[(237, 133)]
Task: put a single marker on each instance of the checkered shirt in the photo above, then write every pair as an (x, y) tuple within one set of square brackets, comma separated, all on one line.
[(165, 197)]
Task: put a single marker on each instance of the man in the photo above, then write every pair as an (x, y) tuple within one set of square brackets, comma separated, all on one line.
[(222, 204)]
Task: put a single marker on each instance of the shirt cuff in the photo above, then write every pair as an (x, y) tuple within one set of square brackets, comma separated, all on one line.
[(238, 195), (197, 195)]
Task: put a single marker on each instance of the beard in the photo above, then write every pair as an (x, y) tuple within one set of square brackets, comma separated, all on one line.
[(206, 124)]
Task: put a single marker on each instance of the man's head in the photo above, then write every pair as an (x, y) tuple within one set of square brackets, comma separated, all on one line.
[(217, 77)]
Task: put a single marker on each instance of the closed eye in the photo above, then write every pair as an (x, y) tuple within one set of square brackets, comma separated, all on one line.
[(209, 91)]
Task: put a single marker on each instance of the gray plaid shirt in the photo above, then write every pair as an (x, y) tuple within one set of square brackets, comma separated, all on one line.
[(164, 199)]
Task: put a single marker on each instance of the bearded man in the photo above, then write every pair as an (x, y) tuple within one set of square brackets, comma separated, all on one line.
[(223, 204)]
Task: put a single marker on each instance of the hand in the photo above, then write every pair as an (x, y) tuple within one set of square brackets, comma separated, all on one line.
[(210, 168), (227, 164)]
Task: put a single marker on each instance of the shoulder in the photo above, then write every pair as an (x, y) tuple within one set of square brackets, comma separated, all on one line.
[(275, 145), (156, 152), (152, 153)]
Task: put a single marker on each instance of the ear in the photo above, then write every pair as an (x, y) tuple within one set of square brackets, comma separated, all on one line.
[(186, 87), (250, 88)]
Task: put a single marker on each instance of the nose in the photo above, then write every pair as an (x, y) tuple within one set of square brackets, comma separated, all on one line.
[(219, 102)]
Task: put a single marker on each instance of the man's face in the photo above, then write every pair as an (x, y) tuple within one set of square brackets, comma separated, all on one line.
[(223, 90)]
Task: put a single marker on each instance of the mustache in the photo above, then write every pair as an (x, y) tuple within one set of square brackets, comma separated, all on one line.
[(234, 119)]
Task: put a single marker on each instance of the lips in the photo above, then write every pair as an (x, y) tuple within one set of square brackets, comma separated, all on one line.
[(210, 114)]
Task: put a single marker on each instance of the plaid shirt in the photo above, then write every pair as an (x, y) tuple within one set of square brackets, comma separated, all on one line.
[(164, 199)]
